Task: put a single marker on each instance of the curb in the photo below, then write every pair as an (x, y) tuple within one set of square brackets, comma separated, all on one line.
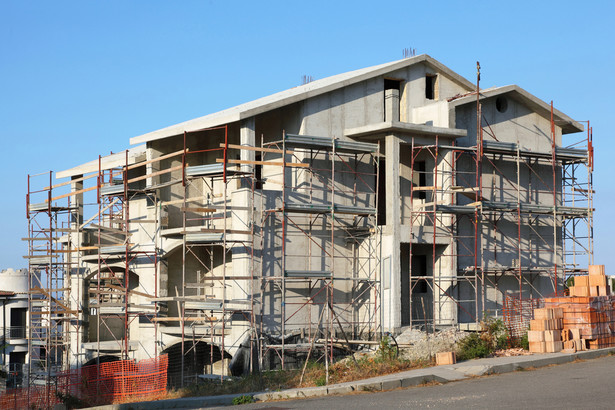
[(440, 374)]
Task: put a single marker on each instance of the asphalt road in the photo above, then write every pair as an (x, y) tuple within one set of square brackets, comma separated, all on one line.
[(580, 385)]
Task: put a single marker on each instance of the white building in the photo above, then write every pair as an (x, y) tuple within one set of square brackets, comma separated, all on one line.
[(352, 205), (13, 320)]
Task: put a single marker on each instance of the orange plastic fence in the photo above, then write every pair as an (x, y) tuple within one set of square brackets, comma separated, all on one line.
[(517, 315), (97, 384)]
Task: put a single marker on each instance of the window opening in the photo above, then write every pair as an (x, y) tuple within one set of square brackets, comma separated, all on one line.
[(382, 201), (419, 179), (501, 104), (430, 86), (258, 173)]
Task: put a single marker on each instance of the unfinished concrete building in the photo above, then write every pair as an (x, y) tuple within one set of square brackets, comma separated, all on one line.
[(314, 218)]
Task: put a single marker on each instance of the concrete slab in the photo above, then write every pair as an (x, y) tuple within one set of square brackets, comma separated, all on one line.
[(391, 384), (448, 375), (411, 381), (369, 386), (476, 370), (340, 389), (312, 392)]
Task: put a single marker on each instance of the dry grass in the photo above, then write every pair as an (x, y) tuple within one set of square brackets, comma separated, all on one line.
[(315, 375), (385, 361), (150, 397)]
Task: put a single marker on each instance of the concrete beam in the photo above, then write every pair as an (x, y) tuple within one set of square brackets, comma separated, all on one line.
[(403, 129)]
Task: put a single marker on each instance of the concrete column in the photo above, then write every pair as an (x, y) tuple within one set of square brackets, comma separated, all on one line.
[(151, 153), (391, 240), (445, 311), (163, 277), (241, 215), (391, 105), (247, 137), (77, 214), (74, 277)]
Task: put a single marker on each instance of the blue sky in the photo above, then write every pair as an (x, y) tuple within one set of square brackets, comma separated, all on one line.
[(78, 79)]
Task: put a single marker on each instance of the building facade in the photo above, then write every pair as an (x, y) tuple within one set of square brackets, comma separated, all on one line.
[(391, 196)]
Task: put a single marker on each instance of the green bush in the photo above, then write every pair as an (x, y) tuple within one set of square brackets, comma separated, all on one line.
[(473, 347), (496, 333), (493, 336), (245, 399)]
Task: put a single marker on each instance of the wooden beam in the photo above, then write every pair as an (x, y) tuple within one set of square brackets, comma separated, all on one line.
[(154, 174), (57, 302), (71, 194), (97, 213), (185, 319), (160, 158), (140, 164), (187, 209), (71, 181), (47, 312), (248, 148), (288, 164), (131, 291), (114, 230), (236, 231), (129, 182)]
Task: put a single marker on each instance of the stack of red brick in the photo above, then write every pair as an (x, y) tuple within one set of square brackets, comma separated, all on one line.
[(593, 284), (588, 313), (545, 330)]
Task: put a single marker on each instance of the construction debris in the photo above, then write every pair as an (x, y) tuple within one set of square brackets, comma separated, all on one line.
[(426, 345)]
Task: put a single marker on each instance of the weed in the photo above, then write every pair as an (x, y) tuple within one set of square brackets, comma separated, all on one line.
[(386, 351), (244, 399), (321, 380), (524, 342), (493, 336)]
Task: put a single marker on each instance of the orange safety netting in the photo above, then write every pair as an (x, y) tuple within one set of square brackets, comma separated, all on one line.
[(518, 312), (517, 315), (97, 384)]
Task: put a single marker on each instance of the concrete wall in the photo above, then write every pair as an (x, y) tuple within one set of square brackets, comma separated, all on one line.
[(504, 181)]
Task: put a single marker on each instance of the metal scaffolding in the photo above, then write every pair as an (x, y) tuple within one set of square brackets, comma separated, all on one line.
[(546, 196), (50, 230), (328, 285)]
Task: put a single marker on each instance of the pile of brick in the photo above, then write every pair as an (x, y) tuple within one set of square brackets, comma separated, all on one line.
[(573, 341), (588, 316), (593, 284), (545, 334)]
